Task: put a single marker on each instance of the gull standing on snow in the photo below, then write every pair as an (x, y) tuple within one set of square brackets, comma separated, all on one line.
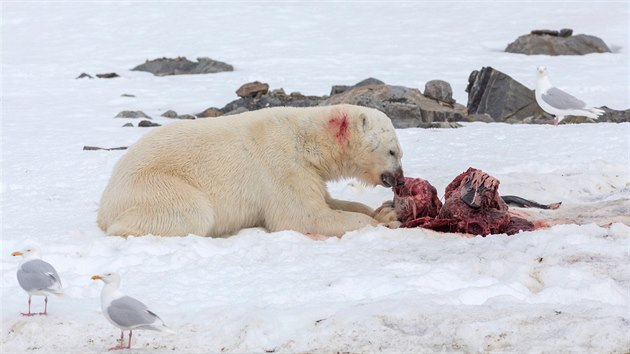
[(37, 277), (124, 311), (559, 103)]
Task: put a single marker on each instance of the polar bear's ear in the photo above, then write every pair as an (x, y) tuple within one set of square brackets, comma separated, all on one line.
[(364, 122)]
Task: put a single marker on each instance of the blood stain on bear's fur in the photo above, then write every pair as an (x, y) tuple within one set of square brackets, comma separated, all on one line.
[(339, 127)]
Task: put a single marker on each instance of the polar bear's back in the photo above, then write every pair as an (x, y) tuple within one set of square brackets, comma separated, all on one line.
[(226, 164)]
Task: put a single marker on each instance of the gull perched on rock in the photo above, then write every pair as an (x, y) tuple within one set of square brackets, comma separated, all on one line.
[(37, 277), (124, 311), (559, 103)]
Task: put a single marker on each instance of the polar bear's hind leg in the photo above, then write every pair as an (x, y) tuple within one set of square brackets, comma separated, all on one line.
[(177, 210)]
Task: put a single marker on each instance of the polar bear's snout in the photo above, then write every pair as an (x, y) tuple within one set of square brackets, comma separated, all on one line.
[(390, 179)]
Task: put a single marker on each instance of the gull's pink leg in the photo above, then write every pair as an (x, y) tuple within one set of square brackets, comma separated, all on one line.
[(45, 313), (121, 340), (129, 345), (29, 308)]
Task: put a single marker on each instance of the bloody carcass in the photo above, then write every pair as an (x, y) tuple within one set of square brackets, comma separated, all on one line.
[(472, 205)]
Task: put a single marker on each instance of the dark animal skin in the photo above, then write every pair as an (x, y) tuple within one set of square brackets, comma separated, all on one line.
[(472, 205), (524, 203)]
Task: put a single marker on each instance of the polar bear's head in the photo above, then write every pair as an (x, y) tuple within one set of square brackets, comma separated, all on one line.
[(373, 151)]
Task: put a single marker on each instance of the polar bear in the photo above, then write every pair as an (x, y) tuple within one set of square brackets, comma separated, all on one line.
[(266, 168)]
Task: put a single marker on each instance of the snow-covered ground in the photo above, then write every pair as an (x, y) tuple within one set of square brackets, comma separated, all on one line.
[(561, 289)]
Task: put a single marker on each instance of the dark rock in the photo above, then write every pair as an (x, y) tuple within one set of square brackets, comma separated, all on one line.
[(557, 43), (443, 125), (210, 113), (84, 75), (540, 118), (275, 99), (565, 32), (106, 149), (407, 107), (503, 98), (132, 114), (542, 32), (169, 114), (614, 116), (577, 120), (127, 125), (236, 111), (107, 75), (209, 66), (183, 66), (148, 123), (278, 93), (439, 90), (252, 89), (339, 89), (172, 114), (127, 95), (369, 81)]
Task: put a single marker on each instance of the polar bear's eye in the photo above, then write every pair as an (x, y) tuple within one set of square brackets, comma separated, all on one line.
[(391, 152)]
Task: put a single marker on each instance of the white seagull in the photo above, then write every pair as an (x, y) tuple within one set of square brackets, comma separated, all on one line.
[(559, 103), (126, 312), (37, 277)]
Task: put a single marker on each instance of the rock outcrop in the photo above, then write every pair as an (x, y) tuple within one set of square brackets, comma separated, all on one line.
[(132, 114), (252, 89), (561, 42), (504, 99), (407, 107), (183, 66), (439, 90)]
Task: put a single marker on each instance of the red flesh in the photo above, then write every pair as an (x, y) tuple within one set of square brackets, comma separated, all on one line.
[(472, 205)]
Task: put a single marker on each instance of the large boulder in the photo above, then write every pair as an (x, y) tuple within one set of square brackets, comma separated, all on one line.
[(561, 42), (439, 90), (252, 89), (407, 107), (503, 98), (183, 66)]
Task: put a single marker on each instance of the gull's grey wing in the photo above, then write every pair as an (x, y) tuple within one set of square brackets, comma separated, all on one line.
[(561, 100), (131, 313), (38, 275)]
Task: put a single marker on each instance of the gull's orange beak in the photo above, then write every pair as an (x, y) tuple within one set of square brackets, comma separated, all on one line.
[(96, 277), (16, 253)]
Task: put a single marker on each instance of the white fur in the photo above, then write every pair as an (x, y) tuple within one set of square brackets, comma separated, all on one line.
[(265, 168)]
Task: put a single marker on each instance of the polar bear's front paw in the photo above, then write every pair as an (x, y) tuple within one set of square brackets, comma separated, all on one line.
[(392, 224), (386, 213)]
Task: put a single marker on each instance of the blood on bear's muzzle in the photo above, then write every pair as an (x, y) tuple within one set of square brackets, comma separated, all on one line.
[(390, 179)]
